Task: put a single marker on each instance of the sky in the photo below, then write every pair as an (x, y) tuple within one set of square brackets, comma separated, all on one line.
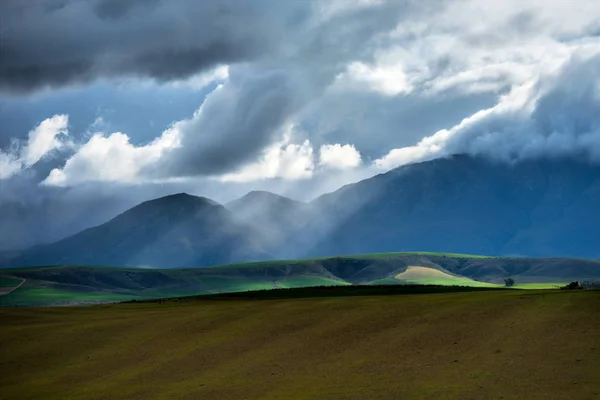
[(106, 103)]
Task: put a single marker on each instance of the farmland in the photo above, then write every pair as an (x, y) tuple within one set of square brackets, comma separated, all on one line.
[(486, 344)]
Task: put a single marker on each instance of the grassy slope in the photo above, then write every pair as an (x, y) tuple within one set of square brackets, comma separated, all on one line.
[(6, 281), (415, 275), (547, 285), (41, 296), (115, 284), (431, 276), (309, 281), (234, 284), (480, 345), (355, 256)]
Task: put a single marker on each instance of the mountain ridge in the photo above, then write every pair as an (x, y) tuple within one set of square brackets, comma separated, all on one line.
[(458, 204)]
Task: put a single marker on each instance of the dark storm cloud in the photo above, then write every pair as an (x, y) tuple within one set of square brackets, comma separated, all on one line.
[(377, 123), (116, 9), (50, 43), (556, 116), (235, 123), (247, 113)]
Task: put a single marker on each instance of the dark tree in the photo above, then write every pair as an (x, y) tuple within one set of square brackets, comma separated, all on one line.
[(572, 286), (509, 282)]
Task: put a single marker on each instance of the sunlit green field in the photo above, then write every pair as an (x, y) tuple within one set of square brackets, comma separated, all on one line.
[(76, 285), (308, 281), (6, 281), (36, 296), (505, 344), (554, 285)]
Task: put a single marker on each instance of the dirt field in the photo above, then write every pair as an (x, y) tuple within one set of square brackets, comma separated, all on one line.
[(479, 345)]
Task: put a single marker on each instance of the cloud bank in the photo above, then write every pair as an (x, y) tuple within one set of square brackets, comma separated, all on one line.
[(297, 97), (556, 116), (58, 42)]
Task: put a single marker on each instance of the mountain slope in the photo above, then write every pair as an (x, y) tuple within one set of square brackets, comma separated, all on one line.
[(467, 205), (459, 204), (279, 220), (173, 231)]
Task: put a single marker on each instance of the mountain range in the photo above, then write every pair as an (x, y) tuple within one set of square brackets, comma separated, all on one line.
[(458, 204)]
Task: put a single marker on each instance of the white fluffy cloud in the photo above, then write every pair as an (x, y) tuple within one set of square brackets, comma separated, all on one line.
[(293, 161), (473, 46), (339, 156), (388, 80), (284, 160), (111, 159), (9, 165), (42, 140)]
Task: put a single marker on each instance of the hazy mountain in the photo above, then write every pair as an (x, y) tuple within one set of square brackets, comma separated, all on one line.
[(270, 209), (468, 205), (459, 204), (279, 220), (173, 231)]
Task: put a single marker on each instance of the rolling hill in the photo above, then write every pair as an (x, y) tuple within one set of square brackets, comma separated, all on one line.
[(83, 285)]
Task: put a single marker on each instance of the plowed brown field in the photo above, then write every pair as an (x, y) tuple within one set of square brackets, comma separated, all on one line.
[(479, 345)]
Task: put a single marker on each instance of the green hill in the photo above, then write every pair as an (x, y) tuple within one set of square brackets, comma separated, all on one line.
[(67, 285)]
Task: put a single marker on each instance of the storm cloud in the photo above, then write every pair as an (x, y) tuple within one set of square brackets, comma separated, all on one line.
[(300, 97), (54, 43), (556, 116)]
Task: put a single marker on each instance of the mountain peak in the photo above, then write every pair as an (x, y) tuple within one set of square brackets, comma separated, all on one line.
[(261, 196), (179, 198), (177, 203)]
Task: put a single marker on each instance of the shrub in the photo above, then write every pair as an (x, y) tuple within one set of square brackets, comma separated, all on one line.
[(572, 286), (508, 282)]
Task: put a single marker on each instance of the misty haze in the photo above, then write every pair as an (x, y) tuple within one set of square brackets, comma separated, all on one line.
[(304, 199)]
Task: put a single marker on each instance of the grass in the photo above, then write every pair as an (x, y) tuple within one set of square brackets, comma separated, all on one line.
[(41, 296), (60, 285), (7, 281), (361, 256), (416, 275), (494, 344), (555, 285), (308, 281), (413, 253), (456, 281), (416, 272), (234, 284), (385, 281)]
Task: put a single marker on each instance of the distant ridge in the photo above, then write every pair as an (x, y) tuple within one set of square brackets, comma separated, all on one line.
[(178, 230), (459, 204)]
